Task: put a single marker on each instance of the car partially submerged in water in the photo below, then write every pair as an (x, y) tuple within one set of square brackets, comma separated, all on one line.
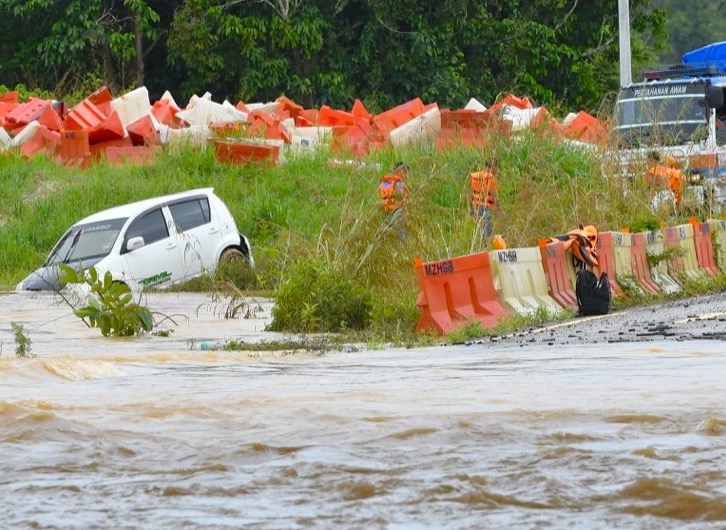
[(150, 243)]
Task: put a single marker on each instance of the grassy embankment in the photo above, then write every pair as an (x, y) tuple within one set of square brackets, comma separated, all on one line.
[(317, 231)]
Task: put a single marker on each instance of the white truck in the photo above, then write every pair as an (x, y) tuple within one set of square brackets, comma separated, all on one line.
[(678, 111)]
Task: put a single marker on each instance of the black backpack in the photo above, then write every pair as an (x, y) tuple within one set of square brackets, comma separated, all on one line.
[(593, 295)]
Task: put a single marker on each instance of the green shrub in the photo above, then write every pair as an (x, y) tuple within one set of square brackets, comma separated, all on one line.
[(318, 298), (22, 341)]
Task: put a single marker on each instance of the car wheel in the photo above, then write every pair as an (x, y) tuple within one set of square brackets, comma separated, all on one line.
[(231, 255), (235, 266)]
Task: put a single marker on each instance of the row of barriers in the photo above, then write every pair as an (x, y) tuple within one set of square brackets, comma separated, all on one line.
[(489, 286)]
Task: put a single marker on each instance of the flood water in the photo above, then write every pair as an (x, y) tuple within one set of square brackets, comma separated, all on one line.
[(157, 433)]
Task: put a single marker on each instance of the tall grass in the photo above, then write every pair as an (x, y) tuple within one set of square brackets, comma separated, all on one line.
[(308, 210)]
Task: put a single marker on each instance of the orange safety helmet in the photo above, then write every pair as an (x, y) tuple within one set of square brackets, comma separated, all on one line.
[(583, 244), (498, 242)]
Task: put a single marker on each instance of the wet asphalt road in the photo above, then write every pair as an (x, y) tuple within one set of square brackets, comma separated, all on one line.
[(699, 318)]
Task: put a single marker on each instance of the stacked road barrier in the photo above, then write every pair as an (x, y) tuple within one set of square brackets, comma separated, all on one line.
[(490, 286), (703, 247), (655, 246), (718, 235), (680, 238), (521, 277)]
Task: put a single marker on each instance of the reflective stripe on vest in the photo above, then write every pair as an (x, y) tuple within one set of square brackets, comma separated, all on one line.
[(483, 185)]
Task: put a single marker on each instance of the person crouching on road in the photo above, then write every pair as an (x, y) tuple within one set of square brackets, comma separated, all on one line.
[(483, 198), (394, 194)]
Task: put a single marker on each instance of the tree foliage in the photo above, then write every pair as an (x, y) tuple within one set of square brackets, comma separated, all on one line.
[(691, 25), (319, 52)]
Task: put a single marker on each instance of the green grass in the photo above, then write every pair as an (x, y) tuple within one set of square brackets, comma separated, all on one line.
[(306, 215)]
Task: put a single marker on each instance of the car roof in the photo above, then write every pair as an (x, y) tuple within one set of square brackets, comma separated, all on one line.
[(135, 208)]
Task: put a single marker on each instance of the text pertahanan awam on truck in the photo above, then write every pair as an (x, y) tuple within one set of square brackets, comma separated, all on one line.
[(679, 111)]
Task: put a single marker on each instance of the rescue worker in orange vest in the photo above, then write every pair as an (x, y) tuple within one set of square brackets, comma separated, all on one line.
[(483, 198), (394, 194), (667, 181)]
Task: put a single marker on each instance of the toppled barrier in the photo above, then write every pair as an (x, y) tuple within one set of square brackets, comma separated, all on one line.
[(132, 115)]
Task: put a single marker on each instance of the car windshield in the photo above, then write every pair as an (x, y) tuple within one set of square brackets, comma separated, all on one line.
[(661, 115), (86, 242)]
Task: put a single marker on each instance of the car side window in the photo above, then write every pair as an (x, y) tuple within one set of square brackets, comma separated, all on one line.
[(190, 214), (151, 226)]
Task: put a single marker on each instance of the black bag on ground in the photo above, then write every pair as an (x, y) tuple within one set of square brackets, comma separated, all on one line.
[(593, 295)]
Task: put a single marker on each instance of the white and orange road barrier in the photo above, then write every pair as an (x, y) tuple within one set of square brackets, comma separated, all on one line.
[(703, 246), (522, 281), (457, 291), (557, 272)]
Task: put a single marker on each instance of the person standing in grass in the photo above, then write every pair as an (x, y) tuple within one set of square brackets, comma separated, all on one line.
[(394, 194), (483, 198), (666, 181)]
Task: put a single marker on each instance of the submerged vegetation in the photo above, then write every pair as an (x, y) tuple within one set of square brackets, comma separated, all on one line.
[(320, 241)]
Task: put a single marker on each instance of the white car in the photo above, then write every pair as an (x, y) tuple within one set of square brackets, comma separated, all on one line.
[(151, 243)]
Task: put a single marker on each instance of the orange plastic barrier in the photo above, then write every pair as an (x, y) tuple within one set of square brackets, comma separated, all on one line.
[(102, 99), (268, 126), (74, 148), (51, 119), (165, 112), (10, 97), (456, 291), (511, 99), (42, 142), (639, 263), (587, 128), (606, 259), (397, 116), (359, 111), (109, 129), (470, 127), (289, 106), (100, 150), (336, 118), (671, 239), (142, 132), (359, 139), (307, 118), (24, 113), (554, 262), (242, 152), (704, 246), (84, 116)]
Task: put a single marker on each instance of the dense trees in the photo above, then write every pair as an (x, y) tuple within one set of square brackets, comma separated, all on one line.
[(692, 24), (327, 51)]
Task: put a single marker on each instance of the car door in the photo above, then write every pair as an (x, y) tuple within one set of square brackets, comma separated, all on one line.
[(158, 261), (198, 234)]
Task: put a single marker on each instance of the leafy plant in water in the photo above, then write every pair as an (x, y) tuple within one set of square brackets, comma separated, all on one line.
[(22, 341), (111, 307)]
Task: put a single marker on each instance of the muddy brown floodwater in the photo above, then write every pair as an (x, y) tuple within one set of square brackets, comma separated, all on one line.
[(617, 422)]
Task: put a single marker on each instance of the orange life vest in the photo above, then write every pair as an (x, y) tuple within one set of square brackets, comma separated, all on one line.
[(389, 194), (666, 178), (483, 188)]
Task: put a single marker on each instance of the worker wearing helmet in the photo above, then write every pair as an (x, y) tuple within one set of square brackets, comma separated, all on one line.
[(667, 182), (393, 190), (483, 198)]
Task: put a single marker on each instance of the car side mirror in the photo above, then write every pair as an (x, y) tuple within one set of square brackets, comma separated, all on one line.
[(134, 243)]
